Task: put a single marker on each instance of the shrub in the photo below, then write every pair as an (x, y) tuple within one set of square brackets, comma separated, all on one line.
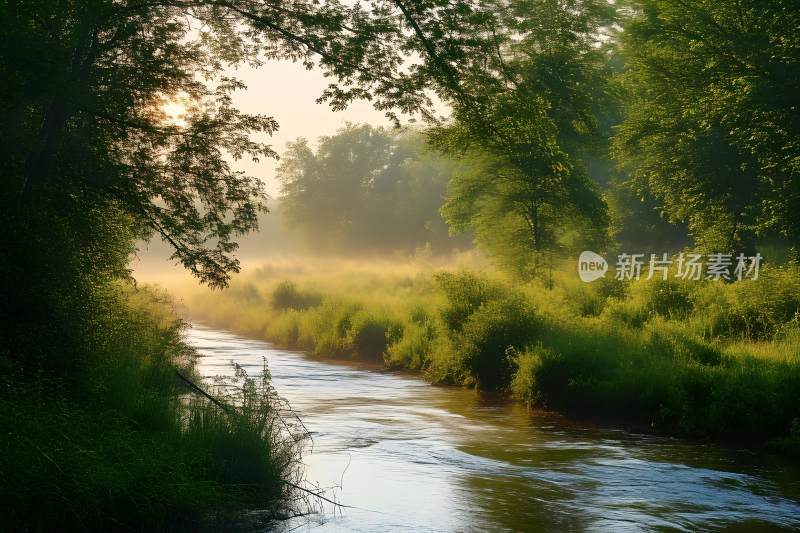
[(371, 334), (628, 312), (415, 347), (667, 298), (124, 446), (610, 287), (284, 329), (524, 384), (752, 309), (465, 293), (585, 301), (651, 298), (487, 335), (286, 295), (675, 342), (326, 329)]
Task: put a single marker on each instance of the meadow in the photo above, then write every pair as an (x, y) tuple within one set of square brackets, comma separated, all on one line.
[(706, 360)]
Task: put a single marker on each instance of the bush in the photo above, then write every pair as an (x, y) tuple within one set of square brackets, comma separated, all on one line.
[(524, 384), (284, 329), (753, 309), (465, 293), (670, 340), (585, 301), (667, 298), (488, 334), (415, 347), (371, 334), (123, 446), (610, 287), (326, 329), (287, 296)]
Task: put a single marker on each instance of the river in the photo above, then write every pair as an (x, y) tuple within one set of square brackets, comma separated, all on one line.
[(409, 456)]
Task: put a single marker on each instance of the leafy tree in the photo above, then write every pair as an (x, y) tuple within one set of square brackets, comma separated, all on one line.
[(86, 81), (325, 193), (534, 115), (367, 189), (711, 125)]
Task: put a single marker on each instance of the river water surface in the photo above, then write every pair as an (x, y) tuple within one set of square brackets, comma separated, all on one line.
[(412, 457)]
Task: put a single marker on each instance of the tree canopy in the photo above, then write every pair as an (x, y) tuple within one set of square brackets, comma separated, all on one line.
[(710, 127), (711, 116), (91, 161), (538, 102)]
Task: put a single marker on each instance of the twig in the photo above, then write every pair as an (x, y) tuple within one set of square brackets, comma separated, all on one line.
[(317, 495)]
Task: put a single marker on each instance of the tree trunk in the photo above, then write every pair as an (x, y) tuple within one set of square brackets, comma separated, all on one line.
[(38, 167), (535, 228)]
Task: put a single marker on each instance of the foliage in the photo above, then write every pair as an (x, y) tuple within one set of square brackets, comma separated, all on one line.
[(637, 221), (366, 188), (370, 335), (121, 446), (532, 118), (87, 82), (414, 348), (287, 296), (763, 309), (92, 163), (702, 359), (710, 126), (488, 338), (466, 293)]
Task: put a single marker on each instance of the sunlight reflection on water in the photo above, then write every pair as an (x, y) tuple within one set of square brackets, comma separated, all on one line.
[(412, 457)]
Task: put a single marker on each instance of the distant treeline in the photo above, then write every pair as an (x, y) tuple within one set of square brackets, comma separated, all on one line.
[(367, 189)]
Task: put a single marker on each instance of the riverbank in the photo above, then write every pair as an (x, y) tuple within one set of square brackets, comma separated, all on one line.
[(121, 442), (701, 360)]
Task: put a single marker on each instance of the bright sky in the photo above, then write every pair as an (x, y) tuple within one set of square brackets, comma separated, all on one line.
[(288, 92)]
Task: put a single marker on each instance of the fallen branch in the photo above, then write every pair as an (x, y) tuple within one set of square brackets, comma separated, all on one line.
[(192, 385)]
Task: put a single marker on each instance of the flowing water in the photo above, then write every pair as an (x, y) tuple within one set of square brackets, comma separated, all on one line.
[(409, 456)]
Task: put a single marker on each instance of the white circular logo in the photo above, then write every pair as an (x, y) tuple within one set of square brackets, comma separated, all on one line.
[(591, 266)]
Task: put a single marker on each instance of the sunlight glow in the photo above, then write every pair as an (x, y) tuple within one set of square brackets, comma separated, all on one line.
[(175, 113)]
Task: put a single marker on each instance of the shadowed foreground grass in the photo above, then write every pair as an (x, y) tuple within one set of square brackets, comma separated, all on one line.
[(699, 359), (124, 445)]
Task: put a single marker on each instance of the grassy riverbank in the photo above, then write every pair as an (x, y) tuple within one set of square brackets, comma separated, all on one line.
[(698, 359), (120, 443)]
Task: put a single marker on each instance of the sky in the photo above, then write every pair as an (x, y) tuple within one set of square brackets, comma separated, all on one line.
[(288, 92)]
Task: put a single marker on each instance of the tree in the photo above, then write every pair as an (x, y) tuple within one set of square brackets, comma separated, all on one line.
[(533, 118), (365, 189), (711, 125)]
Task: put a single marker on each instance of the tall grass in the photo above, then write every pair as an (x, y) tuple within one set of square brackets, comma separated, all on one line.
[(126, 445), (701, 359)]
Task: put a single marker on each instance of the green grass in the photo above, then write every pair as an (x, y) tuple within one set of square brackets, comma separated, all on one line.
[(700, 359), (125, 445)]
